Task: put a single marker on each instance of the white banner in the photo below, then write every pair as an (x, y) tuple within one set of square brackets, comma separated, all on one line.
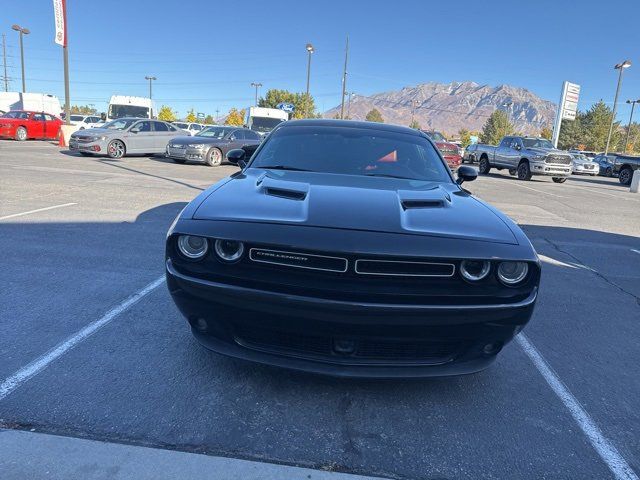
[(60, 17)]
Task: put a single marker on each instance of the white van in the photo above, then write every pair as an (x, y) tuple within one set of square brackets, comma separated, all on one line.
[(32, 102)]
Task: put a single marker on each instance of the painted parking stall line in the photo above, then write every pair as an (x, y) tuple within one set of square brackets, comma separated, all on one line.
[(6, 217), (25, 373), (607, 451)]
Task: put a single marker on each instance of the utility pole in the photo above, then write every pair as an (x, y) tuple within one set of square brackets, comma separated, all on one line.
[(257, 85), (344, 78), (351, 94), (151, 79), (620, 66), (67, 101), (414, 104), (310, 50), (217, 114), (4, 62), (626, 141)]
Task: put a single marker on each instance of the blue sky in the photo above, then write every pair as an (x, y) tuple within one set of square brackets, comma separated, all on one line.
[(205, 54)]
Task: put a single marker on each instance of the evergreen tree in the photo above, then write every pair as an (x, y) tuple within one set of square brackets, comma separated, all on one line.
[(496, 127), (374, 116)]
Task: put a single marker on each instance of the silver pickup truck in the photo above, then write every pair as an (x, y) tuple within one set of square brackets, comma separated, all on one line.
[(524, 157)]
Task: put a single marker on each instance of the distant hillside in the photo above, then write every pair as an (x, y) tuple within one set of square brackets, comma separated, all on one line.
[(448, 107)]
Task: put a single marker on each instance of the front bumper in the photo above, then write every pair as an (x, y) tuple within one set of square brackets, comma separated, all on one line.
[(98, 147), (345, 338), (551, 169), (187, 153), (581, 170)]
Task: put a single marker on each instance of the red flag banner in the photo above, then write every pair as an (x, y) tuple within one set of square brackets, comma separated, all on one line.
[(60, 17)]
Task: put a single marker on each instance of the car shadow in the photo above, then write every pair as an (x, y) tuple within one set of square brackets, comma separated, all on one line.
[(595, 180)]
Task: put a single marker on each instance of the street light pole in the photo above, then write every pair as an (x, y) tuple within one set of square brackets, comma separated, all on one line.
[(151, 79), (310, 50), (344, 78), (620, 66), (257, 85), (22, 31), (626, 140), (4, 62)]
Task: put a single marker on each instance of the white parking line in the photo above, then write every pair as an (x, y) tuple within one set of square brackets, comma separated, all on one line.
[(39, 364), (609, 454), (37, 210), (539, 191)]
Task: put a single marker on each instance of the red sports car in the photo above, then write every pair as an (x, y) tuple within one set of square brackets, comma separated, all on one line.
[(21, 125)]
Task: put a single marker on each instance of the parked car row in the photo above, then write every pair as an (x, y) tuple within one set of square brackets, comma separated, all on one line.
[(141, 136)]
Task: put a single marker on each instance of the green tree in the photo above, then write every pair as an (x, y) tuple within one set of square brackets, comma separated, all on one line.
[(572, 133), (191, 116), (414, 124), (546, 132), (235, 117), (83, 110), (465, 137), (496, 127), (374, 116), (304, 106), (165, 113), (595, 123), (633, 146), (208, 120)]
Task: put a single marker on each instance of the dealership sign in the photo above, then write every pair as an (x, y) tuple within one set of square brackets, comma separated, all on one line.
[(567, 107), (286, 107), (60, 17)]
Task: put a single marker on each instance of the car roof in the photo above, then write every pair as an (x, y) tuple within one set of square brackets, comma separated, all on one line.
[(326, 122)]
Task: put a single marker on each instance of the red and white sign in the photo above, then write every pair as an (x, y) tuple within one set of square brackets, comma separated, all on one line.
[(60, 17), (569, 103)]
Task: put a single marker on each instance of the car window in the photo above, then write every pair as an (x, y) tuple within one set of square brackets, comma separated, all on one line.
[(248, 134), (39, 117), (141, 127), (160, 127), (238, 134), (171, 128), (48, 118), (352, 151)]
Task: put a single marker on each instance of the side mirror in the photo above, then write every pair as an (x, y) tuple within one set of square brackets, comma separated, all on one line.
[(236, 156), (466, 174), (232, 138)]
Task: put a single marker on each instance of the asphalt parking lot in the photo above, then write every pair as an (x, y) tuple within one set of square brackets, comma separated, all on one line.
[(83, 236)]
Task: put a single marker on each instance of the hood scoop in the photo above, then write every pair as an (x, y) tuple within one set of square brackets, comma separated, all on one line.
[(282, 188), (416, 199)]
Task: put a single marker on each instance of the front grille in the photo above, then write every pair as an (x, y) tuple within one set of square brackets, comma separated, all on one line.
[(558, 159), (80, 139), (404, 269), (363, 350)]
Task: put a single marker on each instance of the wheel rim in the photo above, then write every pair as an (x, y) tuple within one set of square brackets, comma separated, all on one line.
[(116, 149), (22, 133), (624, 176), (522, 171), (215, 156)]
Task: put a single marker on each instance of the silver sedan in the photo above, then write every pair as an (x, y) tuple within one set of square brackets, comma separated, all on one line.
[(583, 166), (124, 136)]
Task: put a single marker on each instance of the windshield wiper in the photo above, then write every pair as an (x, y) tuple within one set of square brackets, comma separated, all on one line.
[(283, 167), (388, 176)]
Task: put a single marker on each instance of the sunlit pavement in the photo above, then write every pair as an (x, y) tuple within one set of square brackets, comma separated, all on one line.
[(82, 236)]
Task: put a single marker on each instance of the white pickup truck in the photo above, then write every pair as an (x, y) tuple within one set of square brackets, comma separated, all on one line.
[(524, 157)]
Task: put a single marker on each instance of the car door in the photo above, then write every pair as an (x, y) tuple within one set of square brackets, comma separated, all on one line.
[(140, 138), (52, 126), (503, 150), (162, 135), (514, 153), (36, 125), (234, 140)]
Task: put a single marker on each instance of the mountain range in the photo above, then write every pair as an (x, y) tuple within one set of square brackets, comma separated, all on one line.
[(449, 107)]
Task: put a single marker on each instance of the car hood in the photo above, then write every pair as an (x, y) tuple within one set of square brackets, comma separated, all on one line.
[(354, 203), (185, 140), (546, 151)]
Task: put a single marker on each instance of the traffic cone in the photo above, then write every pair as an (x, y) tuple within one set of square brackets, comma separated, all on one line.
[(61, 138)]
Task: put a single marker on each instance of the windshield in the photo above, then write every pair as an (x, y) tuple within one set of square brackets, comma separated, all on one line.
[(120, 111), (264, 124), (352, 151), (181, 125), (76, 118), (213, 132), (121, 124), (16, 115), (436, 136), (579, 156), (537, 143)]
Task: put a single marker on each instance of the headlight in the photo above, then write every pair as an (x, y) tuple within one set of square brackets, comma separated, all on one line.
[(229, 250), (474, 270), (512, 273), (537, 157), (195, 145), (192, 247)]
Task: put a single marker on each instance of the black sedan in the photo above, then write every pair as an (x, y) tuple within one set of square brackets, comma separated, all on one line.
[(211, 144), (347, 248)]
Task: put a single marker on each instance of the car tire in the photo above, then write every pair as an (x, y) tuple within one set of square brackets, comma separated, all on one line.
[(512, 171), (484, 167), (21, 134), (524, 171), (214, 157), (559, 179), (179, 160), (625, 176), (116, 149)]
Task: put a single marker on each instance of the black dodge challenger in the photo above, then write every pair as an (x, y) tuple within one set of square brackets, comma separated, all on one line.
[(348, 248)]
